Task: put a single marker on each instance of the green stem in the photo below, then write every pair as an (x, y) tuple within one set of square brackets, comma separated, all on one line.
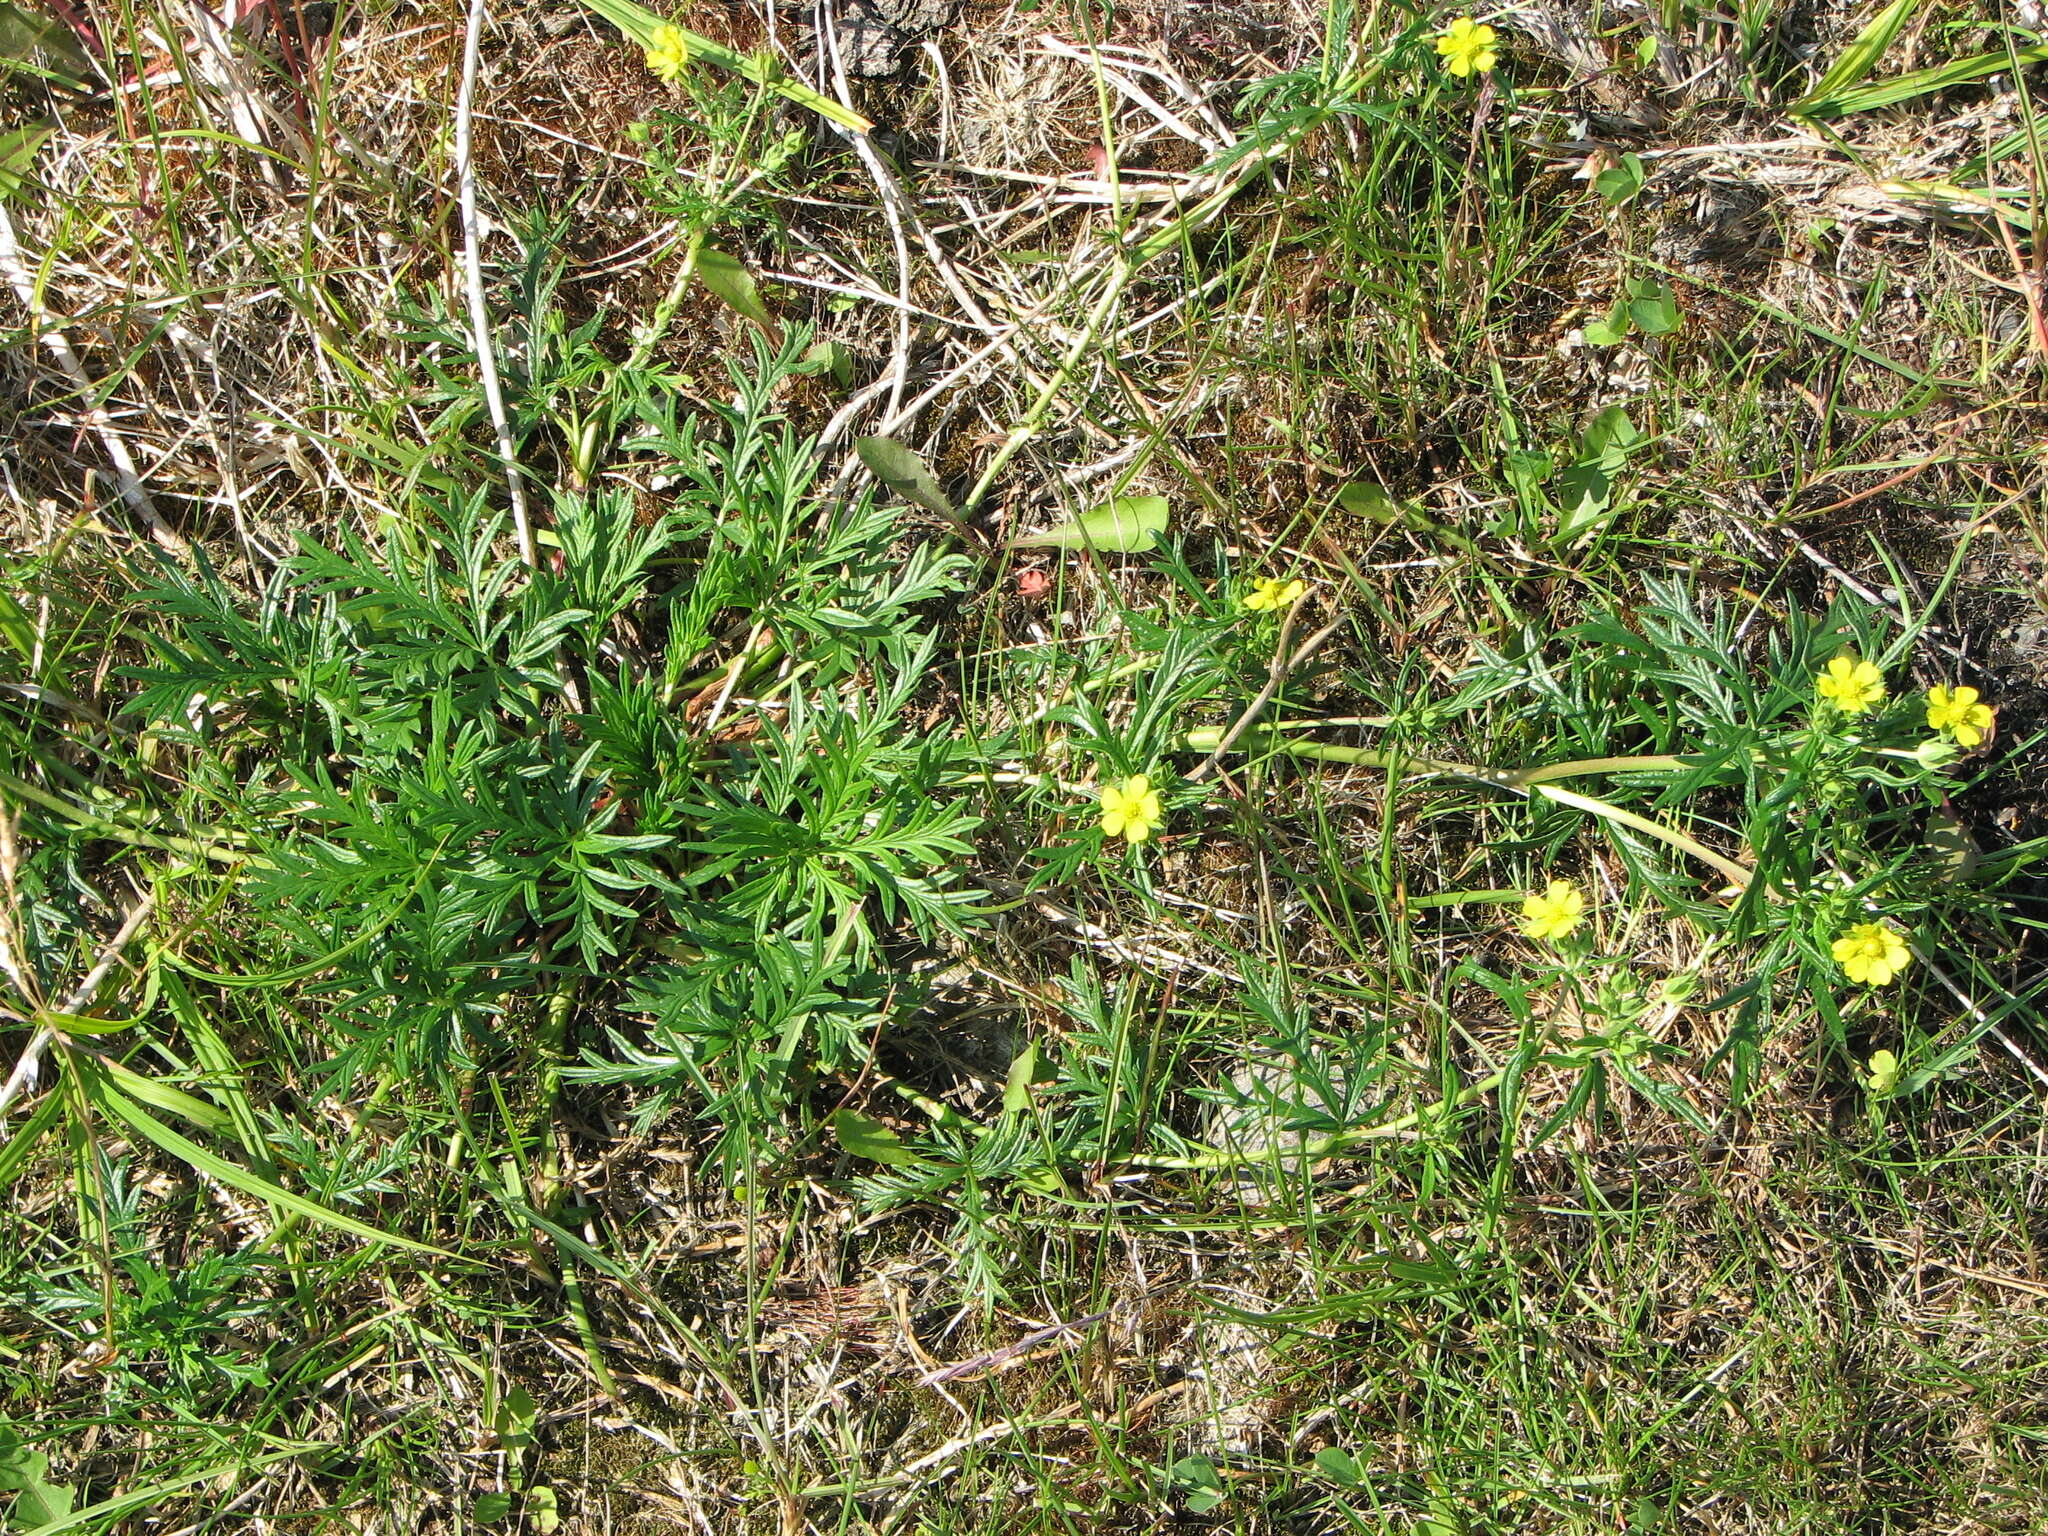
[(1027, 428), (1660, 764), (547, 1183), (115, 831), (1322, 1146), (1519, 779)]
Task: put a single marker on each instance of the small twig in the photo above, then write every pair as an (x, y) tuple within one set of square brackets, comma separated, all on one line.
[(24, 1074), (899, 360), (1283, 665), (125, 475), (1987, 1021), (1022, 1346), (473, 277)]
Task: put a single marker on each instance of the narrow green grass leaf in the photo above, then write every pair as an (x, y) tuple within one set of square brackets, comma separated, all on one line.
[(1922, 82), (162, 1096), (118, 1105), (31, 44), (1859, 58), (18, 1146), (102, 1515), (17, 628), (80, 1023), (1124, 526), (1958, 201), (224, 1072)]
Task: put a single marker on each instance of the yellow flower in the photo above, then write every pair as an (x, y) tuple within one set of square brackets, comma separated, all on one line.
[(1957, 712), (668, 52), (1554, 912), (1467, 47), (1269, 594), (1131, 808), (1884, 1073), (1851, 684), (1872, 953)]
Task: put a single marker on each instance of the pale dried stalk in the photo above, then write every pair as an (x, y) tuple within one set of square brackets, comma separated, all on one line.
[(473, 279), (116, 446), (24, 1073)]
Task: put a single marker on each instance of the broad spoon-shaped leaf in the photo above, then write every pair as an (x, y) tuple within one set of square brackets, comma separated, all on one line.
[(1123, 526)]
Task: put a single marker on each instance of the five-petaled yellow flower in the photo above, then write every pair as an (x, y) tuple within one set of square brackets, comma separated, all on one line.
[(1872, 953), (1956, 712), (1851, 684), (1269, 594), (668, 53), (1554, 912), (1468, 47), (1884, 1073), (1131, 809)]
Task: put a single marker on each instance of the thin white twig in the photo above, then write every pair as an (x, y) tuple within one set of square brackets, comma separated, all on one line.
[(125, 476), (473, 277), (1283, 667), (1977, 1013), (24, 1073), (899, 361)]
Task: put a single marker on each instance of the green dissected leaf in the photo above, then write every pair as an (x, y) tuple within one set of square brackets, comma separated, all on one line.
[(1125, 526), (728, 277), (1858, 59), (869, 1138), (118, 1105), (905, 473), (639, 23), (18, 147)]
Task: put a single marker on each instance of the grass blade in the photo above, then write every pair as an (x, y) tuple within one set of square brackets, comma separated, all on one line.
[(118, 1105), (1857, 60), (1921, 82)]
